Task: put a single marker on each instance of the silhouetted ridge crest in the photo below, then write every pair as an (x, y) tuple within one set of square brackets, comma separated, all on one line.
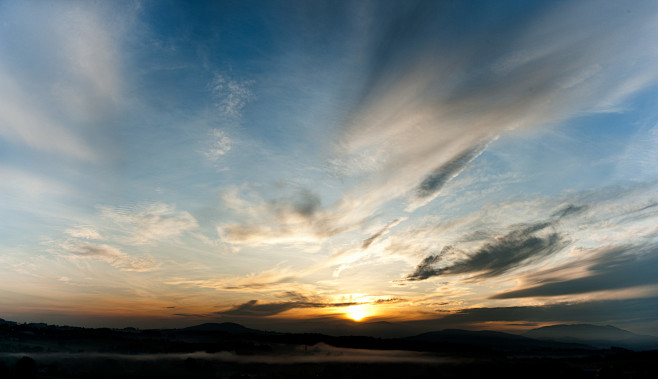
[(226, 327), (599, 336)]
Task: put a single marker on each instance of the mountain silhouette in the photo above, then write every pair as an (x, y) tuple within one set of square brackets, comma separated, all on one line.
[(225, 327), (595, 335), (493, 339)]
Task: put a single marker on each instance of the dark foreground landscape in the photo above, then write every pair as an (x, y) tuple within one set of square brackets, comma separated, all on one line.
[(232, 351)]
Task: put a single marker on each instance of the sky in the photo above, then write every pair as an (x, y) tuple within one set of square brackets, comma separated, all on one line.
[(309, 165)]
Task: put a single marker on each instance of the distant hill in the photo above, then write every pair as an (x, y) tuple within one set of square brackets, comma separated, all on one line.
[(494, 340), (603, 337), (225, 327), (380, 329)]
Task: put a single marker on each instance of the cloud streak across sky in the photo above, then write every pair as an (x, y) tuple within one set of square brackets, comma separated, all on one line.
[(215, 156)]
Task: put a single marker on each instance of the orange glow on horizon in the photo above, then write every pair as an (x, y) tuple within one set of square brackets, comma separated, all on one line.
[(358, 312)]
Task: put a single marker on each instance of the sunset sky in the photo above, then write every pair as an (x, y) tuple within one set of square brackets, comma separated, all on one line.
[(297, 164)]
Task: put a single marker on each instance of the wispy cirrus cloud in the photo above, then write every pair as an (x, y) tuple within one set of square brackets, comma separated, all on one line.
[(84, 232), (55, 107), (428, 107), (256, 308), (432, 184), (110, 255), (20, 124), (231, 94), (142, 225), (600, 311), (220, 145), (606, 268), (298, 218), (416, 115), (495, 258), (150, 223), (369, 241), (269, 280)]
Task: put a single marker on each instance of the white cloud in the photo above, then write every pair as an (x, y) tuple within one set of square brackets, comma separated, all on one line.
[(427, 102), (108, 254), (29, 186), (231, 95), (84, 232), (298, 219), (150, 224), (220, 145), (24, 121), (62, 76), (423, 109)]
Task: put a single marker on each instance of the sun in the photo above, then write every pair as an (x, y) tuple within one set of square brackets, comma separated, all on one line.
[(357, 312)]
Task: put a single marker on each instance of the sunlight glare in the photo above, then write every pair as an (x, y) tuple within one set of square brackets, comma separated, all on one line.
[(357, 312)]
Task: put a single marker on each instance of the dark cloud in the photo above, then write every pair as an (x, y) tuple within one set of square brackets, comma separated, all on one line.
[(524, 324), (570, 210), (195, 315), (401, 43), (494, 258), (389, 301), (425, 268), (643, 309), (614, 268), (295, 296), (254, 308), (368, 241), (306, 203), (257, 285), (303, 203), (444, 173)]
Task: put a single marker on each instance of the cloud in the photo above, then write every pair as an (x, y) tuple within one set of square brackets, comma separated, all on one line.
[(152, 223), (30, 187), (297, 218), (268, 280), (611, 311), (516, 248), (614, 267), (220, 145), (427, 104), (256, 308), (61, 79), (109, 254), (368, 241), (231, 95), (432, 184), (570, 210), (193, 315), (424, 108), (20, 124), (84, 232)]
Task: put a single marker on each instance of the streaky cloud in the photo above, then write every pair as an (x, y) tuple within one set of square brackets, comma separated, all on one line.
[(570, 210), (614, 267), (368, 241), (149, 224), (255, 308), (588, 311), (427, 103), (109, 254), (438, 178), (518, 247)]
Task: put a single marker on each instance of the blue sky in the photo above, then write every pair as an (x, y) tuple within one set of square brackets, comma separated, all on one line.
[(429, 163)]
